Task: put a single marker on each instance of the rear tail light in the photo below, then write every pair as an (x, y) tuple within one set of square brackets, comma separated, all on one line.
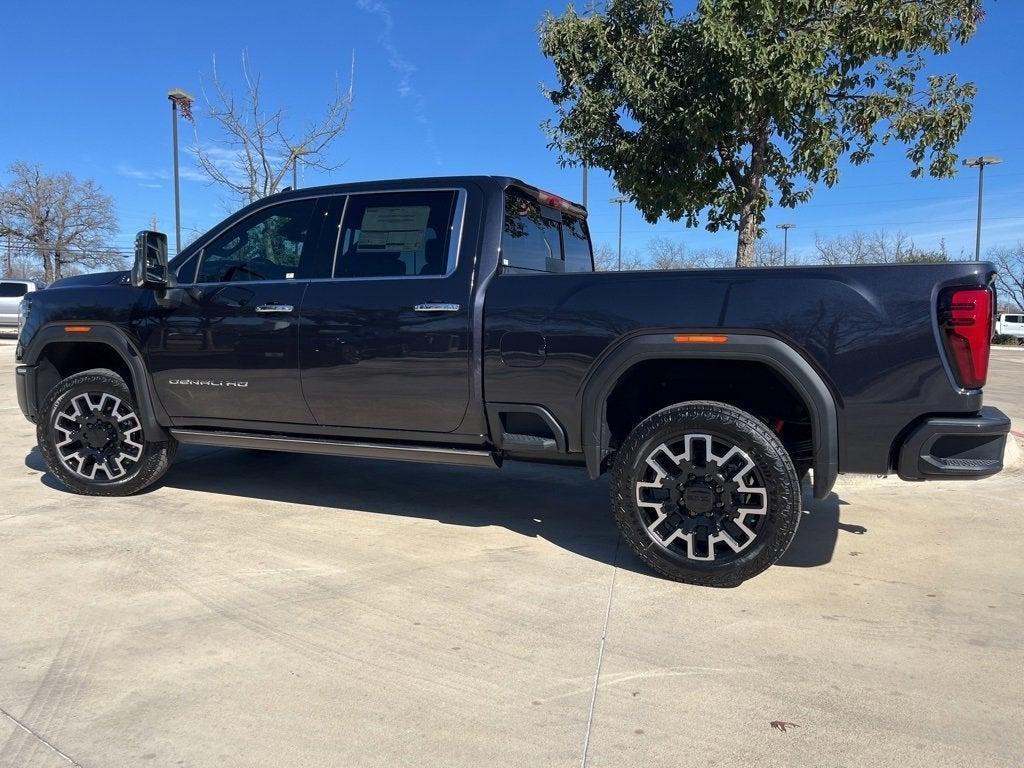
[(965, 317)]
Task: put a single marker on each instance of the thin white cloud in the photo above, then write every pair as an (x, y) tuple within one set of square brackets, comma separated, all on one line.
[(153, 178), (229, 161), (405, 71), (192, 174), (131, 172)]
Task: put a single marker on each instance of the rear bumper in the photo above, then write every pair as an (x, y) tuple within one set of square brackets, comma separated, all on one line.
[(25, 384), (955, 447)]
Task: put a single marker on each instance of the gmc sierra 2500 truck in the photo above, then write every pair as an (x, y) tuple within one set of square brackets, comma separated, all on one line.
[(460, 320)]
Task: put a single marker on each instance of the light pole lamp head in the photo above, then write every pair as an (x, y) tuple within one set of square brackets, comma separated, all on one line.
[(975, 162), (620, 199), (785, 226), (181, 100)]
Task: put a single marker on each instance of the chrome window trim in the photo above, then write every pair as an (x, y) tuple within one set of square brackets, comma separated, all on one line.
[(454, 245)]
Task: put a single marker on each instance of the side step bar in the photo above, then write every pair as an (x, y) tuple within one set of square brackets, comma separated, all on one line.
[(425, 454)]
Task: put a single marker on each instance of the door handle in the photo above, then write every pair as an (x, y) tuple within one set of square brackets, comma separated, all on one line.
[(274, 309), (434, 307)]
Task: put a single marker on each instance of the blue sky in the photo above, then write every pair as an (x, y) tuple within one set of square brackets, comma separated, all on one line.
[(440, 88)]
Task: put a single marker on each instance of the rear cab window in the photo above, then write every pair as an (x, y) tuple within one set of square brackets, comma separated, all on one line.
[(539, 239)]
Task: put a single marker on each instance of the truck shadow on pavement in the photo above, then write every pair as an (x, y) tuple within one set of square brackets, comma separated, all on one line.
[(559, 504)]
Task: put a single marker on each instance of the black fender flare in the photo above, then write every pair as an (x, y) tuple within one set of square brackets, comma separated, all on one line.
[(152, 414), (775, 353)]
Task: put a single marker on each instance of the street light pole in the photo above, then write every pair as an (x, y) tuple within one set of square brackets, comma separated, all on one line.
[(980, 163), (299, 152), (785, 241), (177, 96), (177, 190), (620, 199), (585, 169)]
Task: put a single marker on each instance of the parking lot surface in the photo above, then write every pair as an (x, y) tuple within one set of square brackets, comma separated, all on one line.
[(266, 609)]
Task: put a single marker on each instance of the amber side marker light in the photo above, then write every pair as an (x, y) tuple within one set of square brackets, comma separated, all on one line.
[(700, 339), (77, 328)]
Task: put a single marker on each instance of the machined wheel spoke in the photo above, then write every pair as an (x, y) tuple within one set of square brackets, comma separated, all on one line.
[(701, 497), (98, 433)]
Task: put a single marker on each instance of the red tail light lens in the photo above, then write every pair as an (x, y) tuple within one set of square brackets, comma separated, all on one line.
[(546, 198), (966, 320)]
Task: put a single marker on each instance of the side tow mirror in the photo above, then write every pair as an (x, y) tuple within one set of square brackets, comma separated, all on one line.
[(150, 267)]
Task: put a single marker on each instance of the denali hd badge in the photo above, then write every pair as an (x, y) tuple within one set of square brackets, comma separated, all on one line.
[(208, 383)]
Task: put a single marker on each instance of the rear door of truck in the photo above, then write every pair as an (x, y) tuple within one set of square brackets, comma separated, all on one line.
[(385, 339)]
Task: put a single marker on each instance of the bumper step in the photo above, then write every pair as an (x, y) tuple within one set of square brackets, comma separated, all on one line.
[(955, 448)]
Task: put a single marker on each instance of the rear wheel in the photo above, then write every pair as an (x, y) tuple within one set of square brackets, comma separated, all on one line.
[(92, 440), (706, 494)]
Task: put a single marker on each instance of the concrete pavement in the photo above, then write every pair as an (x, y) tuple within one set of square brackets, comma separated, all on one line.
[(1005, 386), (261, 609)]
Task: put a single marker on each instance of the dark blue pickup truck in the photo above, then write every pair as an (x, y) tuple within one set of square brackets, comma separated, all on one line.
[(460, 320)]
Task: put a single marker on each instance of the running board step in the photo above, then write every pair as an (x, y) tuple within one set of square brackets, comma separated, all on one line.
[(426, 454), (514, 442)]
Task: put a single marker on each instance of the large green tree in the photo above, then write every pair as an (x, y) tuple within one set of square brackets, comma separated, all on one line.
[(742, 104)]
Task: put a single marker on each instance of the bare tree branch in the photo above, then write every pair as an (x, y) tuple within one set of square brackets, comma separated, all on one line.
[(1009, 263), (256, 152), (878, 247), (63, 220)]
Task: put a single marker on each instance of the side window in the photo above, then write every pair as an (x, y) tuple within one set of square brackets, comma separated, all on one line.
[(186, 270), (576, 240), (12, 290), (530, 238), (268, 245), (397, 234)]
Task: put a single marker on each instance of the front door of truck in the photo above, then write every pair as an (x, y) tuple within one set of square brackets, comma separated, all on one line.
[(385, 343), (228, 348)]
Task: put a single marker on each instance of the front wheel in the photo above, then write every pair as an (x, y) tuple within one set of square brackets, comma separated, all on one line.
[(705, 494), (92, 440)]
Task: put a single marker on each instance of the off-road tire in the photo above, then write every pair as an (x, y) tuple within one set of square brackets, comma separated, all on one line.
[(730, 425), (153, 461)]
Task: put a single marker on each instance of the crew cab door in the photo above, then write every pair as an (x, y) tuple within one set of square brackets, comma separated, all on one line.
[(385, 343), (227, 349)]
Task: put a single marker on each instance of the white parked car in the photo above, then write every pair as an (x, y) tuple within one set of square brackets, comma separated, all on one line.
[(1011, 325), (11, 293)]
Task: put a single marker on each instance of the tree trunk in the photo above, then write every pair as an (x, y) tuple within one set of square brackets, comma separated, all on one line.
[(747, 236), (47, 267), (750, 211)]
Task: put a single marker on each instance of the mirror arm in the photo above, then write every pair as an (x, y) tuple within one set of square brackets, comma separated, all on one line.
[(170, 298)]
